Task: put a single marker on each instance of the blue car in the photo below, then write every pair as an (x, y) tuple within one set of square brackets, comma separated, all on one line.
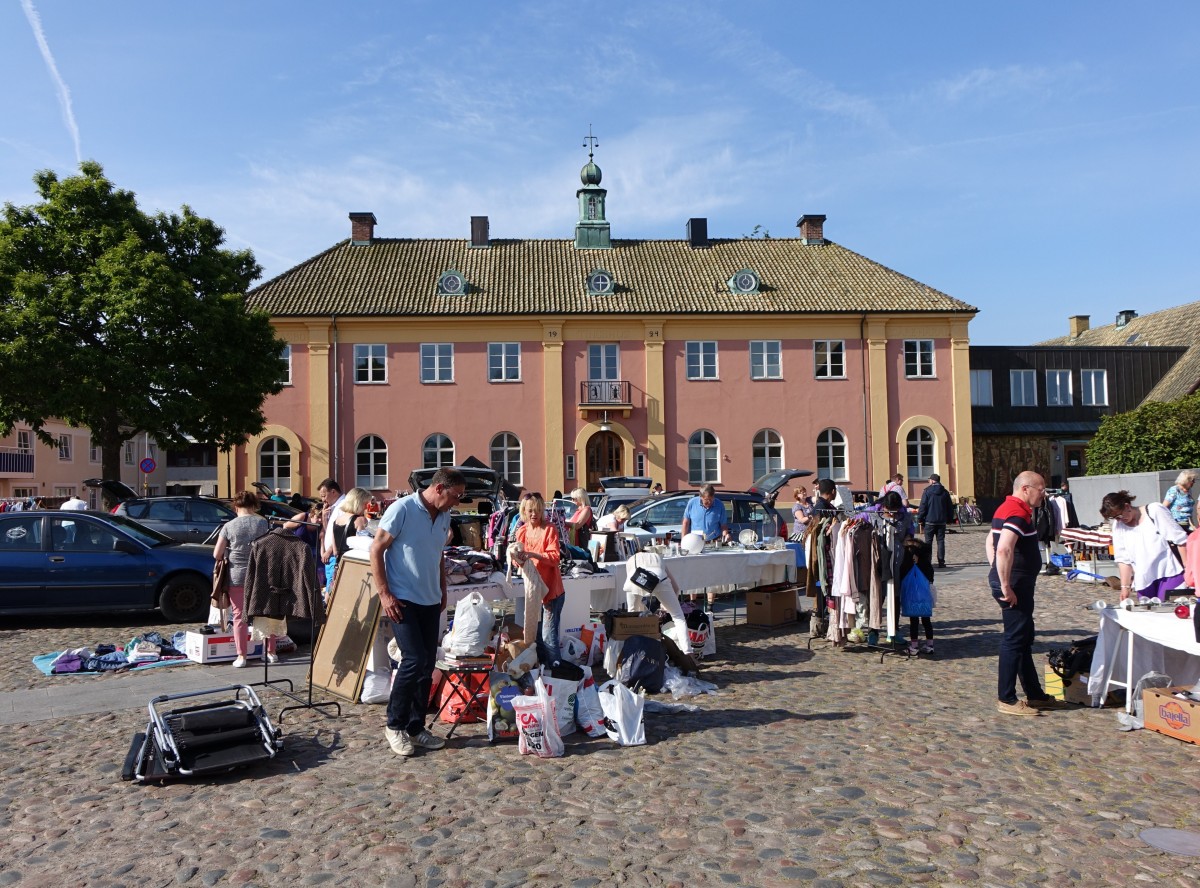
[(85, 562)]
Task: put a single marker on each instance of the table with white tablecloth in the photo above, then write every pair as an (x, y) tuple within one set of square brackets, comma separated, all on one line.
[(1134, 642), (718, 573), (580, 592)]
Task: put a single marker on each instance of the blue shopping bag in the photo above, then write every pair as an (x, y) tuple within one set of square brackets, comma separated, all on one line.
[(916, 597)]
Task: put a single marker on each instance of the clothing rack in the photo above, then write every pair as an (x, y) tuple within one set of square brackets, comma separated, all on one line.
[(268, 682)]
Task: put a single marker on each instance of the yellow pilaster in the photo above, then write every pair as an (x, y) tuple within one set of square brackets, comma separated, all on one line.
[(656, 421), (964, 447), (877, 396), (319, 432), (553, 398)]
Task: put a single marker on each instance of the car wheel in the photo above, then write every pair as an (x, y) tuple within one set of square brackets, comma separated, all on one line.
[(185, 599)]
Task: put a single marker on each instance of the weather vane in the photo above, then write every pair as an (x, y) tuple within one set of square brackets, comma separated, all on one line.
[(590, 142)]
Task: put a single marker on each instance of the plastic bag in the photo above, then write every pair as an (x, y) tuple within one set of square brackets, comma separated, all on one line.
[(681, 685), (588, 714), (538, 727), (574, 649), (623, 714), (916, 600), (501, 717), (473, 621), (562, 684), (592, 633)]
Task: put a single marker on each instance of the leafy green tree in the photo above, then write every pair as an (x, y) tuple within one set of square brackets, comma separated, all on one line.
[(1155, 437), (128, 323)]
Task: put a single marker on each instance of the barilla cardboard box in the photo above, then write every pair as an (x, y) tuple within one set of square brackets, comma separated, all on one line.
[(1177, 717), (771, 608), (217, 648), (628, 626)]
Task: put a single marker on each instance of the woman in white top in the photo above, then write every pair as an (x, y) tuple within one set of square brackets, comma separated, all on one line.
[(1146, 562)]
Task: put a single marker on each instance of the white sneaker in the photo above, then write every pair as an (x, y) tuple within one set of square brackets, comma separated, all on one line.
[(272, 659), (400, 742), (239, 663)]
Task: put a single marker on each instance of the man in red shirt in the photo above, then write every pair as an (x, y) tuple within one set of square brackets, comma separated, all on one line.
[(1013, 552)]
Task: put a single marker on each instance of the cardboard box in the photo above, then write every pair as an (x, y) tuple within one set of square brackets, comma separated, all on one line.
[(771, 608), (1075, 689), (217, 648), (628, 626), (1167, 714)]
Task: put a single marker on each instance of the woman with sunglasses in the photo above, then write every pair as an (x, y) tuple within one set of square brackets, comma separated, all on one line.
[(1142, 539)]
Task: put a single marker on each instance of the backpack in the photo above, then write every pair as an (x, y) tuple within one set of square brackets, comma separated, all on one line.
[(642, 664), (1075, 660)]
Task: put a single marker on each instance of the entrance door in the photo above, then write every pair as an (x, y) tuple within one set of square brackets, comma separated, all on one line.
[(604, 451), (1075, 461)]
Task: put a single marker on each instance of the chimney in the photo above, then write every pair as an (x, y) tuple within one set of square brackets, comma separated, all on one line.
[(812, 230), (479, 231), (1125, 316), (1080, 324), (697, 232), (362, 228)]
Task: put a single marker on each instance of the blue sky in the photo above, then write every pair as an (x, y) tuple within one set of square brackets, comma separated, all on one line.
[(1035, 159)]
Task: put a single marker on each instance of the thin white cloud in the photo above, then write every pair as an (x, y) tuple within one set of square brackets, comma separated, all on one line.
[(1008, 81), (64, 94)]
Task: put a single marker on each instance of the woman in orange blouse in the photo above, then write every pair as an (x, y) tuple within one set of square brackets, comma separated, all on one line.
[(539, 541)]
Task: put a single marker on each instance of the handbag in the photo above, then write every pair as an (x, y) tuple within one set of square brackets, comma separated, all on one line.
[(1170, 545), (220, 586), (645, 580)]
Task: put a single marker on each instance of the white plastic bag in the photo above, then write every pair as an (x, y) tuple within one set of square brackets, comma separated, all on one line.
[(377, 687), (473, 621), (561, 692), (623, 714), (588, 714), (535, 721), (710, 643), (573, 649)]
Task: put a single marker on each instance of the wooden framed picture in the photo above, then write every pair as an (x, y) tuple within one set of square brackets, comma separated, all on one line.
[(339, 660)]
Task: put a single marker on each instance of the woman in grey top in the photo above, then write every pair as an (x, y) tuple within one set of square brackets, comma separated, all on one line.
[(233, 542)]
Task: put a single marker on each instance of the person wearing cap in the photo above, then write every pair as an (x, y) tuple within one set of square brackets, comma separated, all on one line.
[(934, 514)]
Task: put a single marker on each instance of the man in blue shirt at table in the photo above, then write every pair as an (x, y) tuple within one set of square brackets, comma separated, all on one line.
[(706, 514)]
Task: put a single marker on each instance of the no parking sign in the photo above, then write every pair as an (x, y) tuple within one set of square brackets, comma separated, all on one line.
[(148, 465)]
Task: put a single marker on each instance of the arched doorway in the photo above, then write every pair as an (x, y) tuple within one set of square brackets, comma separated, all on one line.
[(604, 451)]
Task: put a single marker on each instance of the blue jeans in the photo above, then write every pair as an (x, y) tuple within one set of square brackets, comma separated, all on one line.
[(1016, 649), (548, 631), (416, 636)]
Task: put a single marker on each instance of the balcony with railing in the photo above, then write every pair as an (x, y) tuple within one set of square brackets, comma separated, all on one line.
[(15, 462), (603, 393)]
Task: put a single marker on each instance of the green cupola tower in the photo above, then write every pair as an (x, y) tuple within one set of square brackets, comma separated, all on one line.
[(591, 232)]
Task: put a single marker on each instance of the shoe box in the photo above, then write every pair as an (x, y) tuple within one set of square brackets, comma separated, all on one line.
[(217, 648), (1074, 689), (771, 607), (1172, 712)]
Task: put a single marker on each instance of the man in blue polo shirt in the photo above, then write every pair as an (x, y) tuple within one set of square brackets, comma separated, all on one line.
[(706, 514), (1013, 552), (406, 566)]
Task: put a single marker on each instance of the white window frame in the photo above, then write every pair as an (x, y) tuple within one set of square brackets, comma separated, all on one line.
[(829, 358), (507, 457), (766, 359), (704, 457), (370, 364), (1023, 382), (639, 464), (832, 454), (1055, 396), (130, 455), (437, 363), (766, 452), (604, 361), (24, 441), (279, 453), (504, 362), (569, 465), (981, 388), (702, 353), (285, 354), (375, 449), (925, 443), (64, 448), (919, 362), (1091, 394), (442, 451)]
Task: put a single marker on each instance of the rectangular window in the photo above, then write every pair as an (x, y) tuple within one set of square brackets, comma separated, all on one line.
[(64, 492), (1024, 387), (602, 361), (569, 465), (128, 453), (918, 358), (24, 441), (437, 362), (93, 451), (765, 360), (1094, 387), (639, 462), (504, 361), (829, 358), (285, 355), (701, 360), (20, 492), (1058, 388), (370, 363), (981, 388), (64, 448)]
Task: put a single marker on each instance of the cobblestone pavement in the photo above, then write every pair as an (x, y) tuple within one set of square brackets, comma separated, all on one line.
[(819, 768)]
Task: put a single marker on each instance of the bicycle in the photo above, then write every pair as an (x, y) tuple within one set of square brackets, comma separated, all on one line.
[(968, 513)]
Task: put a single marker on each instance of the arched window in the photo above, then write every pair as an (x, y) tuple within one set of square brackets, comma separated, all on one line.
[(704, 458), (370, 463), (506, 457), (768, 452), (831, 455), (275, 463), (437, 452), (920, 453)]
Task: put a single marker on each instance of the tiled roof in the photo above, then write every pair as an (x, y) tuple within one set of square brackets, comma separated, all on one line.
[(1171, 326), (547, 277)]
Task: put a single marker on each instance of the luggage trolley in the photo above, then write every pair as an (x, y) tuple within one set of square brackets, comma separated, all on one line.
[(205, 738)]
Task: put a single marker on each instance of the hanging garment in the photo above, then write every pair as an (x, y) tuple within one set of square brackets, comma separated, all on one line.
[(281, 579)]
